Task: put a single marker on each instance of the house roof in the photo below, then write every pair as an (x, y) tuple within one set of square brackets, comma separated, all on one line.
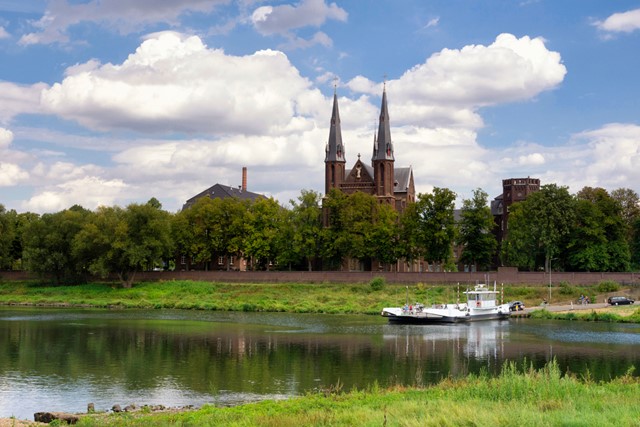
[(219, 191)]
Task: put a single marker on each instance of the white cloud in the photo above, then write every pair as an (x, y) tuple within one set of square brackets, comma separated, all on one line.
[(452, 84), (82, 191), (174, 83), (125, 16), (11, 174), (6, 137), (433, 22), (625, 22), (284, 18), (18, 99), (301, 43), (4, 34)]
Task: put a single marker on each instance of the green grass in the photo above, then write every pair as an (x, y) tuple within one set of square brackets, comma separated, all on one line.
[(518, 397)]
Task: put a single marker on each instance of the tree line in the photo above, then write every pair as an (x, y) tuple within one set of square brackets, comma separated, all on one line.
[(589, 231)]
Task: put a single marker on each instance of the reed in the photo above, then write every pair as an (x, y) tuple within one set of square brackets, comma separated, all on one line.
[(519, 396)]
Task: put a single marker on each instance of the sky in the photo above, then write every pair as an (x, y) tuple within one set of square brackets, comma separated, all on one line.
[(114, 102)]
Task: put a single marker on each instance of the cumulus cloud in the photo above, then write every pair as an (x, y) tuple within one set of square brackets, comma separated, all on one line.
[(625, 22), (122, 15), (174, 83), (18, 99), (284, 18), (6, 137), (453, 83), (79, 191), (3, 33)]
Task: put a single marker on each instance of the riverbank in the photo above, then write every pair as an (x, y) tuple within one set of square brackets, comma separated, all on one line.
[(362, 298), (522, 397)]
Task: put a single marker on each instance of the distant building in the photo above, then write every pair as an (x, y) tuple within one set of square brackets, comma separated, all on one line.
[(389, 184), (219, 191), (513, 190)]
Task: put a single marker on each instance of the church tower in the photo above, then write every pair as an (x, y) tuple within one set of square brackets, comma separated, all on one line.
[(334, 160), (383, 159)]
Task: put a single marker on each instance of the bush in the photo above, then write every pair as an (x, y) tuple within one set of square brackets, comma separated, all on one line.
[(377, 283), (608, 286), (565, 289)]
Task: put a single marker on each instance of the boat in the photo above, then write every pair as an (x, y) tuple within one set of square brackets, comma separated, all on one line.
[(480, 305)]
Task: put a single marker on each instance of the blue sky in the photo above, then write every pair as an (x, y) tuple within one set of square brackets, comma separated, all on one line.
[(112, 102)]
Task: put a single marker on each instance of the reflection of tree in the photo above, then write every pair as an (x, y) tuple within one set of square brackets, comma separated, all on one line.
[(214, 356)]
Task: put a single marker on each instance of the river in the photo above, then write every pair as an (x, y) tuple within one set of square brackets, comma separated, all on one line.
[(63, 359)]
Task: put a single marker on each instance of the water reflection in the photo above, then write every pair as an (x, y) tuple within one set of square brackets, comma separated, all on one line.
[(62, 359)]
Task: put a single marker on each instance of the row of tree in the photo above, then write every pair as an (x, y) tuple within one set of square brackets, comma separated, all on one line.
[(590, 231)]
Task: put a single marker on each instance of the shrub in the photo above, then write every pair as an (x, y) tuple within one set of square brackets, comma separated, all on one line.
[(377, 283), (565, 289), (608, 286)]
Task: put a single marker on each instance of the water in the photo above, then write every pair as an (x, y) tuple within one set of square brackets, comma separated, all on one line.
[(61, 359)]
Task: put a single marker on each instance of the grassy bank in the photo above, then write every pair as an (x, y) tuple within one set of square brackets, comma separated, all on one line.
[(628, 314), (515, 398), (274, 297)]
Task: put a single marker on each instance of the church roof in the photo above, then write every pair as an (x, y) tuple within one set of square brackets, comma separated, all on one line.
[(219, 191), (403, 177), (335, 147), (383, 147)]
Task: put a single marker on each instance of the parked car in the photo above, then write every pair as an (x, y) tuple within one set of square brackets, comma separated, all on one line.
[(516, 306), (620, 300)]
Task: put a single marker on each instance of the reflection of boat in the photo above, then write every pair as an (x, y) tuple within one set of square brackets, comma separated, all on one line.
[(480, 305)]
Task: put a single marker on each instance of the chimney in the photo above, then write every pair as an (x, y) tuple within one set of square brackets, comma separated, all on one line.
[(244, 178)]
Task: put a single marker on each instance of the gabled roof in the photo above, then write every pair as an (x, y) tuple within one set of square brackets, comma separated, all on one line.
[(403, 178), (219, 191)]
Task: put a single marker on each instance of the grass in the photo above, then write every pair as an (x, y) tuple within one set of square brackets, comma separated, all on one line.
[(519, 396), (286, 297)]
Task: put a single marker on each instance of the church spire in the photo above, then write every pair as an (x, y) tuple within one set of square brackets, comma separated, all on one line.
[(383, 149), (335, 148)]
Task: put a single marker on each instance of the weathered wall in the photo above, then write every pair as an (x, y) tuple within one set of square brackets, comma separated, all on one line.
[(503, 275)]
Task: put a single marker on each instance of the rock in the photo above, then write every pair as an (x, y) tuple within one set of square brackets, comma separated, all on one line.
[(47, 417), (130, 408), (91, 408), (116, 408)]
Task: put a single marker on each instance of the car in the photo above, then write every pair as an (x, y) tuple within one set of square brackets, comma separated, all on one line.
[(516, 306), (620, 301)]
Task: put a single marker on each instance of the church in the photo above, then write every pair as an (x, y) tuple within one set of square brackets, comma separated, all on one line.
[(382, 179)]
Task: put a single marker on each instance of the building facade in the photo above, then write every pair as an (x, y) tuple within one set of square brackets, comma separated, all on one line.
[(389, 184)]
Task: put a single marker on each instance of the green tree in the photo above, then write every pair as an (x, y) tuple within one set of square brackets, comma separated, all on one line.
[(385, 235), (539, 226), (409, 244), (306, 228), (599, 238), (264, 220), (436, 226), (47, 244), (476, 231), (7, 236), (630, 202), (124, 241)]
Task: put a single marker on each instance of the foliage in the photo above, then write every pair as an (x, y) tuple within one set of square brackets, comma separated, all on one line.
[(607, 286), (264, 219), (436, 224), (48, 244), (124, 241), (538, 227), (476, 231), (306, 229), (377, 283), (7, 235)]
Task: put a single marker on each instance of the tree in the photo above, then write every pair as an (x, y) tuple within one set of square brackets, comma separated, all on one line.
[(385, 234), (539, 225), (630, 202), (7, 235), (306, 223), (409, 244), (476, 236), (598, 240), (264, 220), (436, 225), (124, 241), (47, 244)]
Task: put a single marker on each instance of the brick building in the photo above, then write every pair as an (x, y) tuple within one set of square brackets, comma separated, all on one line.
[(382, 179)]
